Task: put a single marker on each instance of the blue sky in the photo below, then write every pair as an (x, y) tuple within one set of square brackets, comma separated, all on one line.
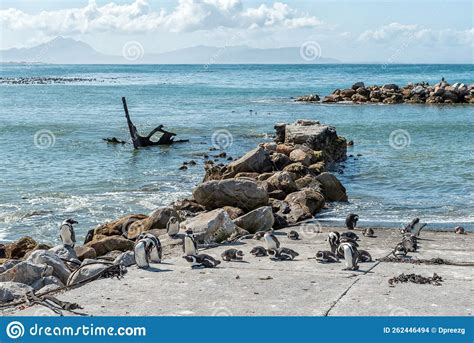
[(352, 31)]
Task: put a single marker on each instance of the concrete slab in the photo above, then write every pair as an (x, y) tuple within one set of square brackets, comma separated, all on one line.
[(260, 286)]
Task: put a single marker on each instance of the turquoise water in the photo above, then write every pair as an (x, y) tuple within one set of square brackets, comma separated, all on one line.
[(80, 176)]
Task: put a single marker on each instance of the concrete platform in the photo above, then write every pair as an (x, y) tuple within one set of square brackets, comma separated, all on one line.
[(259, 286)]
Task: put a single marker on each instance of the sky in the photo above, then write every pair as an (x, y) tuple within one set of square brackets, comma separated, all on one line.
[(416, 31)]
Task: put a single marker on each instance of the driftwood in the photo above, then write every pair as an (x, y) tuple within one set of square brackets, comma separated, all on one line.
[(143, 141)]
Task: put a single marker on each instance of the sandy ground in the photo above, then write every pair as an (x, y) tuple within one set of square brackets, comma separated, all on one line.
[(259, 286)]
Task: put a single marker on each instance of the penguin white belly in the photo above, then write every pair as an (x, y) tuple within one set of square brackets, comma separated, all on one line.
[(141, 258), (189, 248), (173, 229), (66, 236), (348, 258), (154, 255), (271, 244)]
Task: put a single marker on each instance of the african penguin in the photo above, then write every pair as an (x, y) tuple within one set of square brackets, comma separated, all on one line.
[(351, 221), (259, 235), (413, 227), (202, 261), (156, 250), (399, 251), (348, 249), (368, 232), (459, 230), (66, 232), (172, 227), (293, 235), (258, 251), (282, 254), (410, 243), (333, 239), (351, 235), (189, 244), (364, 256), (326, 257), (232, 255), (271, 240), (142, 252)]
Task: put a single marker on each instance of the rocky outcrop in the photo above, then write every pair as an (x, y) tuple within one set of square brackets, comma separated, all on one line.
[(54, 261), (332, 188), (22, 247), (282, 181), (255, 161), (415, 93), (244, 194), (111, 243), (260, 219), (13, 290), (120, 226), (308, 98), (83, 252), (26, 272)]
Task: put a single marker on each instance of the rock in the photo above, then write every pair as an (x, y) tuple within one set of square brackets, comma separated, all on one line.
[(282, 181), (308, 98), (279, 133), (256, 160), (54, 261), (26, 272), (359, 98), (347, 93), (309, 199), (90, 269), (299, 155), (64, 251), (278, 194), (243, 194), (317, 168), (213, 226), (10, 291), (188, 205), (84, 252), (450, 97), (332, 188), (309, 182), (19, 248), (47, 281), (246, 175), (118, 227), (317, 137), (363, 91), (2, 251), (280, 161), (297, 170), (125, 259), (8, 264), (270, 147), (358, 85), (233, 212), (285, 149), (260, 219), (390, 86), (107, 244), (264, 176)]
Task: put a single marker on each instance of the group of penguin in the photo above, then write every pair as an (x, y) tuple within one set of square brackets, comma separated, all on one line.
[(344, 245)]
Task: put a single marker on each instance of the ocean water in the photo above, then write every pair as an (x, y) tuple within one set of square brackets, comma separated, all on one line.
[(55, 164)]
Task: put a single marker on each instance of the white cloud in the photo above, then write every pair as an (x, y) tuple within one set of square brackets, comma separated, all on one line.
[(137, 17), (395, 32)]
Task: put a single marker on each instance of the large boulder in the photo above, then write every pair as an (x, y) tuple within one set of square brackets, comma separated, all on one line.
[(111, 243), (89, 270), (297, 170), (84, 252), (120, 226), (157, 220), (255, 161), (308, 182), (211, 226), (21, 247), (51, 259), (280, 160), (125, 259), (332, 188), (302, 156), (65, 252), (47, 281), (260, 219), (26, 272), (308, 199), (8, 264), (10, 291), (281, 181), (244, 194), (233, 212)]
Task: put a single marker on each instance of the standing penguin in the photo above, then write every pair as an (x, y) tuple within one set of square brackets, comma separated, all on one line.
[(66, 232), (271, 240), (348, 249), (333, 239), (172, 227), (156, 251), (351, 221), (142, 251), (189, 244)]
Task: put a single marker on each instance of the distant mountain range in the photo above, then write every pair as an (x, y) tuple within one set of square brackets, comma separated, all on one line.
[(69, 51)]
